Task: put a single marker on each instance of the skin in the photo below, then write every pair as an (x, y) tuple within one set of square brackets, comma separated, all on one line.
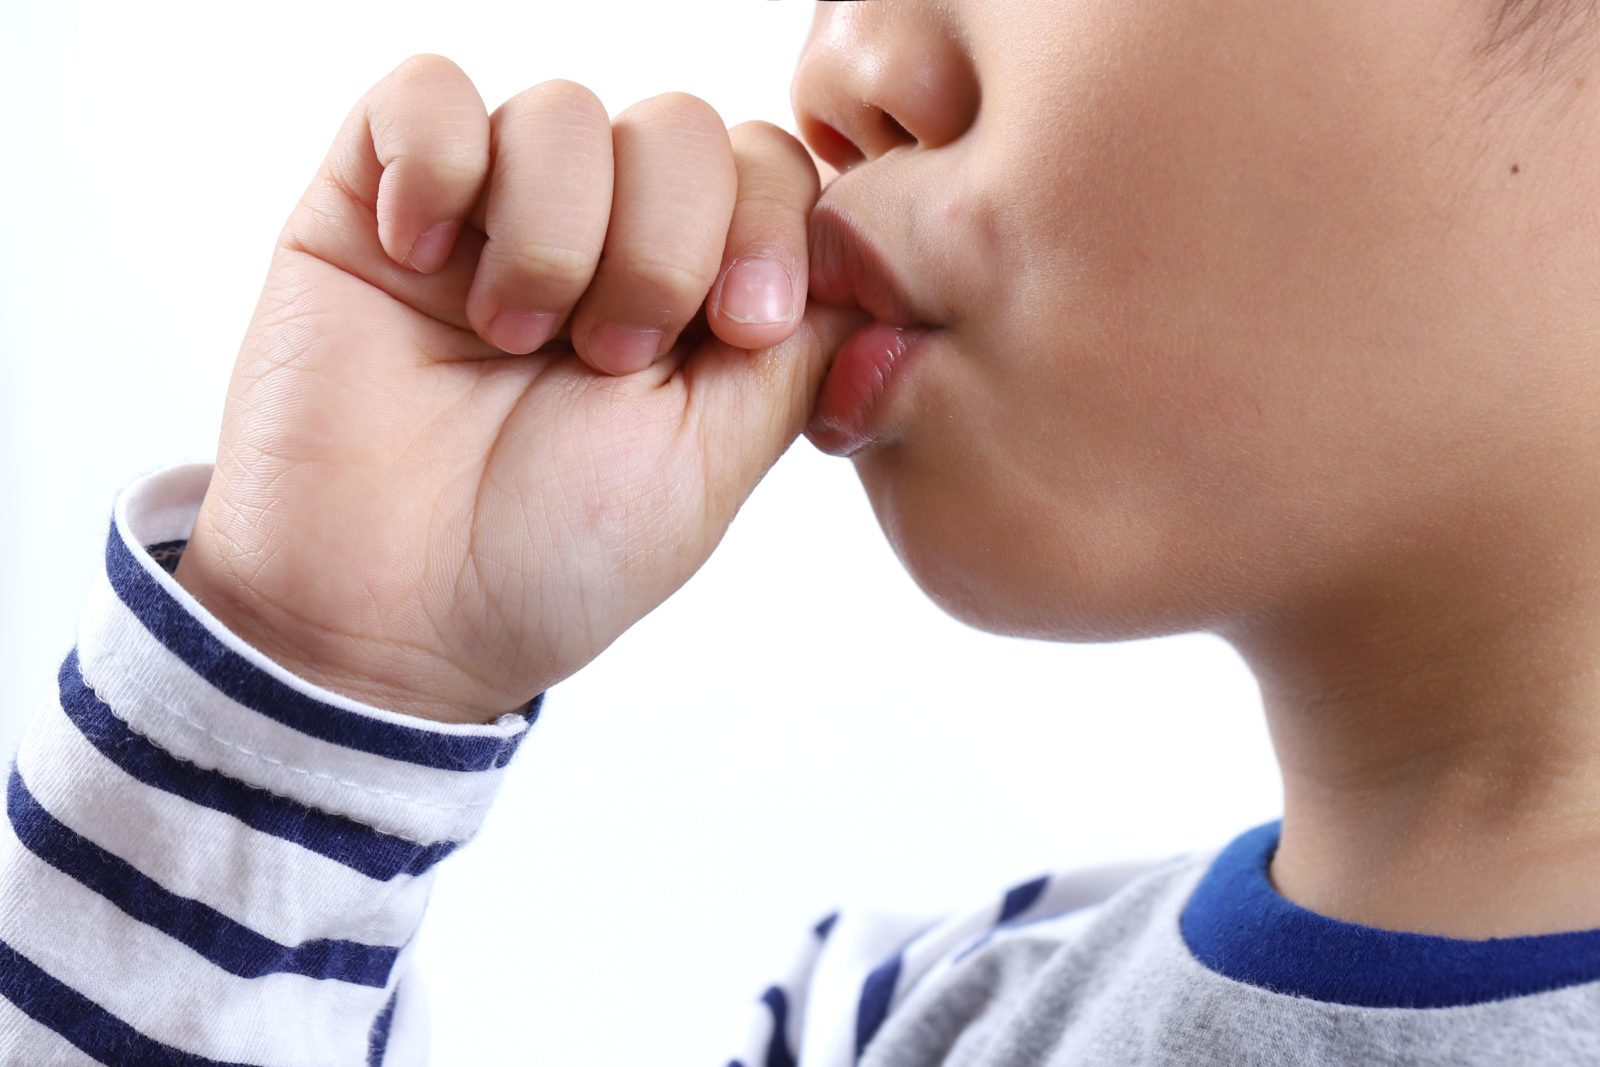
[(1275, 321), (1267, 320), (425, 509)]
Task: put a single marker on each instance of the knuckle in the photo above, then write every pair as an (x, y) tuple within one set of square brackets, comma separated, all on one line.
[(773, 198), (773, 194), (772, 165), (675, 281), (457, 166), (680, 109), (761, 133), (425, 69), (417, 114), (567, 95), (558, 100), (564, 267)]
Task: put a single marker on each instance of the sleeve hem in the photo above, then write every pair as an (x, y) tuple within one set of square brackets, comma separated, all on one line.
[(177, 675)]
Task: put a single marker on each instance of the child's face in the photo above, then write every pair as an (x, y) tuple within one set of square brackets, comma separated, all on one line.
[(1239, 298)]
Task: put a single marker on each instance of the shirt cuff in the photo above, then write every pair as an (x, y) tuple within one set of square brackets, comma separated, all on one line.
[(174, 674)]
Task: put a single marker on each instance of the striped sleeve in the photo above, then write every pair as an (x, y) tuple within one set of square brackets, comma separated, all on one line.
[(859, 966), (207, 859)]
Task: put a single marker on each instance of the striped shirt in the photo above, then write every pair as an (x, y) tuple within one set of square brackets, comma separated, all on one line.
[(208, 860)]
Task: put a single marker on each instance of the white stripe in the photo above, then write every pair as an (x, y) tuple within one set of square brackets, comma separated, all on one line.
[(1069, 902), (162, 504), (273, 886), (1057, 929), (861, 939), (161, 697), (164, 989), (409, 1032), (24, 1041), (796, 986), (939, 943), (758, 1031), (1079, 887), (757, 1015)]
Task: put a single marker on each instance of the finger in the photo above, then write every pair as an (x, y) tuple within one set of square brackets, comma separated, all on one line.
[(749, 407), (758, 295), (428, 134), (403, 173), (671, 204), (825, 170), (548, 202)]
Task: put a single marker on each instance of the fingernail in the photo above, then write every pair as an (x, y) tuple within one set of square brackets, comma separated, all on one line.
[(520, 332), (757, 291), (623, 348), (432, 247)]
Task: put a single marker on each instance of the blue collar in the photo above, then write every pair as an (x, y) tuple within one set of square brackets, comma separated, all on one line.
[(1238, 925)]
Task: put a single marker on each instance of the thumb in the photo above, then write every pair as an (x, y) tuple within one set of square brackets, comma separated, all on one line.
[(749, 406)]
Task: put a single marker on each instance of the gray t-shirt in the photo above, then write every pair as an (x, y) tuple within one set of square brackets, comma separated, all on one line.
[(1194, 961)]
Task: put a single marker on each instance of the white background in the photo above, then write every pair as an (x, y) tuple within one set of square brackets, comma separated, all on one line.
[(798, 727)]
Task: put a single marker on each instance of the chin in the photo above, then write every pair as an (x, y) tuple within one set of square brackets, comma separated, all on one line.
[(1037, 569)]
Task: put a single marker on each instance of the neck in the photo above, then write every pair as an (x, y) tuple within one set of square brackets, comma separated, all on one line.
[(1439, 739)]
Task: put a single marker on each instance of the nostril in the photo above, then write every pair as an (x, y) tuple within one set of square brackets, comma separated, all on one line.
[(897, 132), (835, 148)]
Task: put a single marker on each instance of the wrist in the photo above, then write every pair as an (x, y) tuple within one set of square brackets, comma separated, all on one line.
[(317, 654)]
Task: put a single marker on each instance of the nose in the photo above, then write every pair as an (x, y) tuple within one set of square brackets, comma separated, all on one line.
[(877, 75)]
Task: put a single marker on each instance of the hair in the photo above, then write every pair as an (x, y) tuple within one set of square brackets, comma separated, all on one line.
[(1534, 34)]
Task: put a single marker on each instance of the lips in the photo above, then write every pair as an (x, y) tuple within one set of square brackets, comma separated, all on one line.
[(844, 420), (848, 270)]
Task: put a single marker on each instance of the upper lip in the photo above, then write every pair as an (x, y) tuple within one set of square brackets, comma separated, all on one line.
[(847, 269)]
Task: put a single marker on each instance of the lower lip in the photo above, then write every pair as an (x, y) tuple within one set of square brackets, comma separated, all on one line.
[(842, 421)]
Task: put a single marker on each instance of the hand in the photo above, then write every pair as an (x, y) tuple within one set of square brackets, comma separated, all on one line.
[(452, 469)]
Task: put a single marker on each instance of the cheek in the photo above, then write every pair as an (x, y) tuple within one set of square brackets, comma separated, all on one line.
[(1202, 375), (1044, 502)]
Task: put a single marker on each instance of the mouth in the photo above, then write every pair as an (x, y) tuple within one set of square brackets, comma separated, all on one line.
[(848, 416), (847, 269)]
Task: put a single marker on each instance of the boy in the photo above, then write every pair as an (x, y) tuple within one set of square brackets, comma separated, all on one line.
[(1134, 318)]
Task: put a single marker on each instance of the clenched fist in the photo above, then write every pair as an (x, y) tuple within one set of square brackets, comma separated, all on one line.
[(509, 379)]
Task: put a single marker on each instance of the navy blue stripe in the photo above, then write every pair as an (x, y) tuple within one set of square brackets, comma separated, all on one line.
[(778, 1054), (56, 1006), (1020, 898), (230, 673), (235, 948), (825, 926), (1239, 925), (378, 1041), (876, 993), (357, 846)]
